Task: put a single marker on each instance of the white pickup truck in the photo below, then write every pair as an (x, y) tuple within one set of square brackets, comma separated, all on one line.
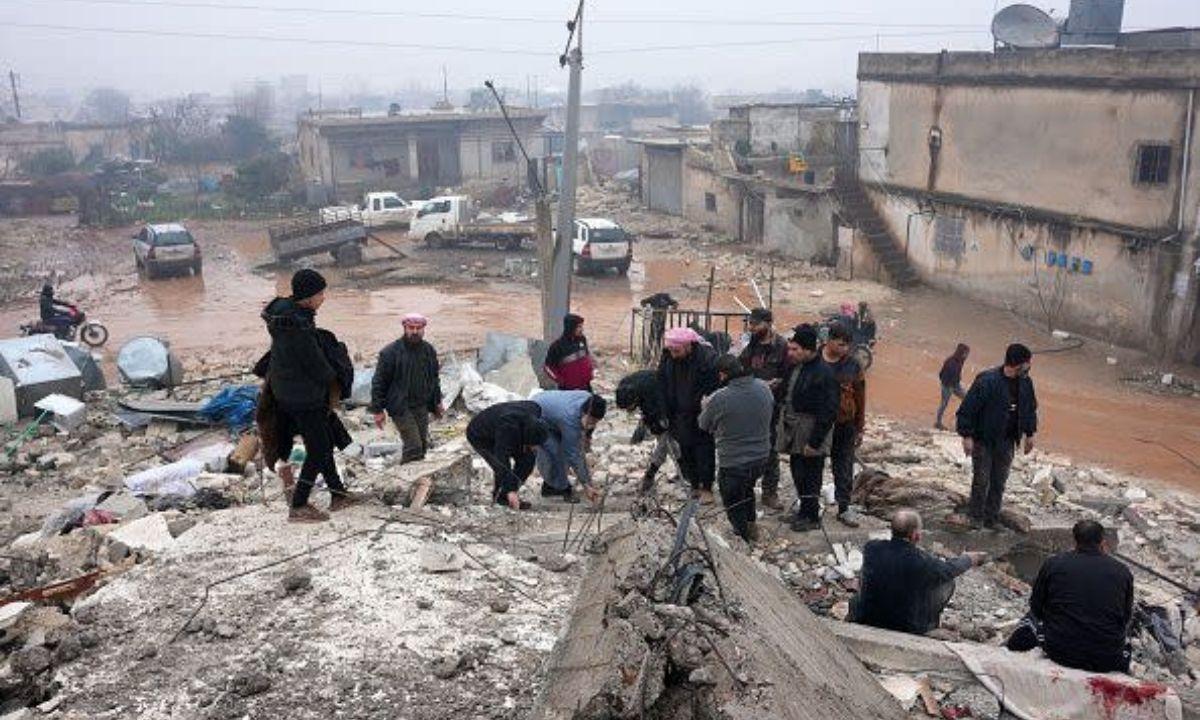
[(378, 209), (453, 220)]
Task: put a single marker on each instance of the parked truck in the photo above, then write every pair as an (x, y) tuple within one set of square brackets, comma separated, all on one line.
[(337, 231), (454, 220), (378, 209)]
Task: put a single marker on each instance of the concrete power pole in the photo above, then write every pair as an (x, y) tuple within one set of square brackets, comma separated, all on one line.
[(560, 299), (12, 81)]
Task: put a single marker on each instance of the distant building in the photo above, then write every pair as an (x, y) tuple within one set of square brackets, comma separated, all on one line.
[(414, 153), (1063, 184), (96, 141)]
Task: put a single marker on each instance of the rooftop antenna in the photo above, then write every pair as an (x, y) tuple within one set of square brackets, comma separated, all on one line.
[(1025, 27)]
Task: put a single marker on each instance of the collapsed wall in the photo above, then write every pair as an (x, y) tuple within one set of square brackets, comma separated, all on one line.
[(676, 625)]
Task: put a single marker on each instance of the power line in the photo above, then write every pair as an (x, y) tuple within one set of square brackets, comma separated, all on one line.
[(311, 10), (458, 48)]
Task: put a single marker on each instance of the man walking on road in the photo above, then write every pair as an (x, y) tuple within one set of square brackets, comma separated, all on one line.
[(572, 416), (765, 357), (506, 436), (1000, 409), (686, 374), (406, 386), (739, 418), (851, 417), (805, 425), (951, 379), (568, 359)]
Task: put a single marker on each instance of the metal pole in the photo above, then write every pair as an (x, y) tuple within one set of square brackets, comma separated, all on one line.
[(712, 277), (561, 272), (12, 81)]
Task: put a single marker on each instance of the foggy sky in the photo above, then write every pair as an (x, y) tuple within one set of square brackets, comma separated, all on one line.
[(802, 56)]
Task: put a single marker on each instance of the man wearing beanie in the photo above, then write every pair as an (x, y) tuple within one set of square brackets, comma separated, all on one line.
[(568, 359), (572, 416), (301, 379), (765, 357), (1000, 409), (407, 387), (805, 428)]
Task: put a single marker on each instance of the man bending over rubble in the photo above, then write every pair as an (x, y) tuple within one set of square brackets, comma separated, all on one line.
[(572, 416), (505, 436), (739, 418), (903, 587), (640, 391), (1081, 606)]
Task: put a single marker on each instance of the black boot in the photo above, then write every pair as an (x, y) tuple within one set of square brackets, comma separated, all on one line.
[(648, 479)]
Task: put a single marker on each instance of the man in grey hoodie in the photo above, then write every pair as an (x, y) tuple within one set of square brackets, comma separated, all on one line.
[(739, 418)]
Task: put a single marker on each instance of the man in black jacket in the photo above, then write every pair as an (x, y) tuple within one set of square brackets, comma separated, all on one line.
[(302, 379), (640, 391), (1081, 606), (1000, 409), (406, 386), (505, 436), (686, 374), (806, 423), (766, 358), (48, 308), (903, 587)]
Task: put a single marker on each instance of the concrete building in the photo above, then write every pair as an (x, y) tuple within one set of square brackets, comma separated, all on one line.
[(98, 141), (348, 153), (764, 176), (1059, 183)]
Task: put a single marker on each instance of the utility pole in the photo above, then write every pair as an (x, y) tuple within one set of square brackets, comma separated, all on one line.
[(12, 81), (560, 273)]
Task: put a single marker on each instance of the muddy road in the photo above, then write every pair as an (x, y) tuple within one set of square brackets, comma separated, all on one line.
[(1087, 412)]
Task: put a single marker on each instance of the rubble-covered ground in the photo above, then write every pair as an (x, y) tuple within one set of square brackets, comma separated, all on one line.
[(362, 627)]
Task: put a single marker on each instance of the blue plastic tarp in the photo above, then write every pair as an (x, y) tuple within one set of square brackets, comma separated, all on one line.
[(233, 406)]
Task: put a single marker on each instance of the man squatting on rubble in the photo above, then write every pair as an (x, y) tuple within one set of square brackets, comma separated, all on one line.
[(571, 415), (1081, 606), (640, 391), (505, 436), (1000, 409), (851, 417), (307, 372), (739, 418), (686, 374), (903, 587), (805, 425), (407, 387), (766, 358), (568, 359)]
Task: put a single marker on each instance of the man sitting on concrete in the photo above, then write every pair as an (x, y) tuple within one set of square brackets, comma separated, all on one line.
[(505, 436), (1081, 606), (739, 418), (903, 587), (572, 416)]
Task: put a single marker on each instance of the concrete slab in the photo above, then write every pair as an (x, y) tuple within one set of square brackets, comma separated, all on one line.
[(38, 366)]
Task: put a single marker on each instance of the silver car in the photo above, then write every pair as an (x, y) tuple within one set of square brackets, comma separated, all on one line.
[(158, 249)]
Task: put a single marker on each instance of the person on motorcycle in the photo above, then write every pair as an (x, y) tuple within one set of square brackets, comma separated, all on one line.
[(51, 314)]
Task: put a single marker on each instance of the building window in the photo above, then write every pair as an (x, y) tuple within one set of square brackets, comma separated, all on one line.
[(1154, 164), (503, 152), (710, 202)]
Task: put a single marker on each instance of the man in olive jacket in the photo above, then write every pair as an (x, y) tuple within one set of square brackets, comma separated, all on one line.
[(407, 387)]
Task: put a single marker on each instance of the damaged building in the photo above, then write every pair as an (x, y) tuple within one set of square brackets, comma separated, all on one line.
[(1061, 183), (765, 176), (348, 153)]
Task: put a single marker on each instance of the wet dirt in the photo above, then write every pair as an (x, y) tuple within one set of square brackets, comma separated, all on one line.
[(1086, 412)]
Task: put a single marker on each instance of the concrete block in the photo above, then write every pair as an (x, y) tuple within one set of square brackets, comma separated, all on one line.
[(148, 533), (8, 401), (66, 413), (38, 366)]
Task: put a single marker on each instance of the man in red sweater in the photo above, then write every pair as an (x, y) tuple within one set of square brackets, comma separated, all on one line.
[(568, 361)]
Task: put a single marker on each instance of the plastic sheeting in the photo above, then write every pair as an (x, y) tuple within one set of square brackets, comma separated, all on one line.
[(360, 391), (148, 362), (173, 479), (232, 406)]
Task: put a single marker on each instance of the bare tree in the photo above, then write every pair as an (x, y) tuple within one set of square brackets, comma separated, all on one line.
[(256, 102), (105, 105)]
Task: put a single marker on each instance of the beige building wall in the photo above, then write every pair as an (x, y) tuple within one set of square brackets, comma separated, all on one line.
[(699, 182)]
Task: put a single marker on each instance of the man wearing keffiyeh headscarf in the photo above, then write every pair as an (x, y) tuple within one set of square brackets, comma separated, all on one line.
[(407, 387), (686, 374)]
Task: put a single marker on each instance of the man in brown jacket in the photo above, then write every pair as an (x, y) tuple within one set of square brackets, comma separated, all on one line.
[(851, 417)]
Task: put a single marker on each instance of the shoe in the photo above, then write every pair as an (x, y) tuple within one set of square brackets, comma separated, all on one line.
[(939, 426), (570, 497), (523, 505), (753, 534), (639, 435), (849, 518), (341, 501), (306, 514), (770, 500), (549, 491), (803, 524), (706, 497)]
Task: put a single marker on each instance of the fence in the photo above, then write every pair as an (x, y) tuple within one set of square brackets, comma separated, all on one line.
[(647, 327)]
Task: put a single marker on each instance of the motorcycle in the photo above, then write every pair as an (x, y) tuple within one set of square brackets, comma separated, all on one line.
[(90, 332)]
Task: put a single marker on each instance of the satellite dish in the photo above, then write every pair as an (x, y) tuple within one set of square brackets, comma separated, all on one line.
[(1024, 26)]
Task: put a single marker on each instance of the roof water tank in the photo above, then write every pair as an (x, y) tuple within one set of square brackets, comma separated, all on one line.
[(1094, 22)]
